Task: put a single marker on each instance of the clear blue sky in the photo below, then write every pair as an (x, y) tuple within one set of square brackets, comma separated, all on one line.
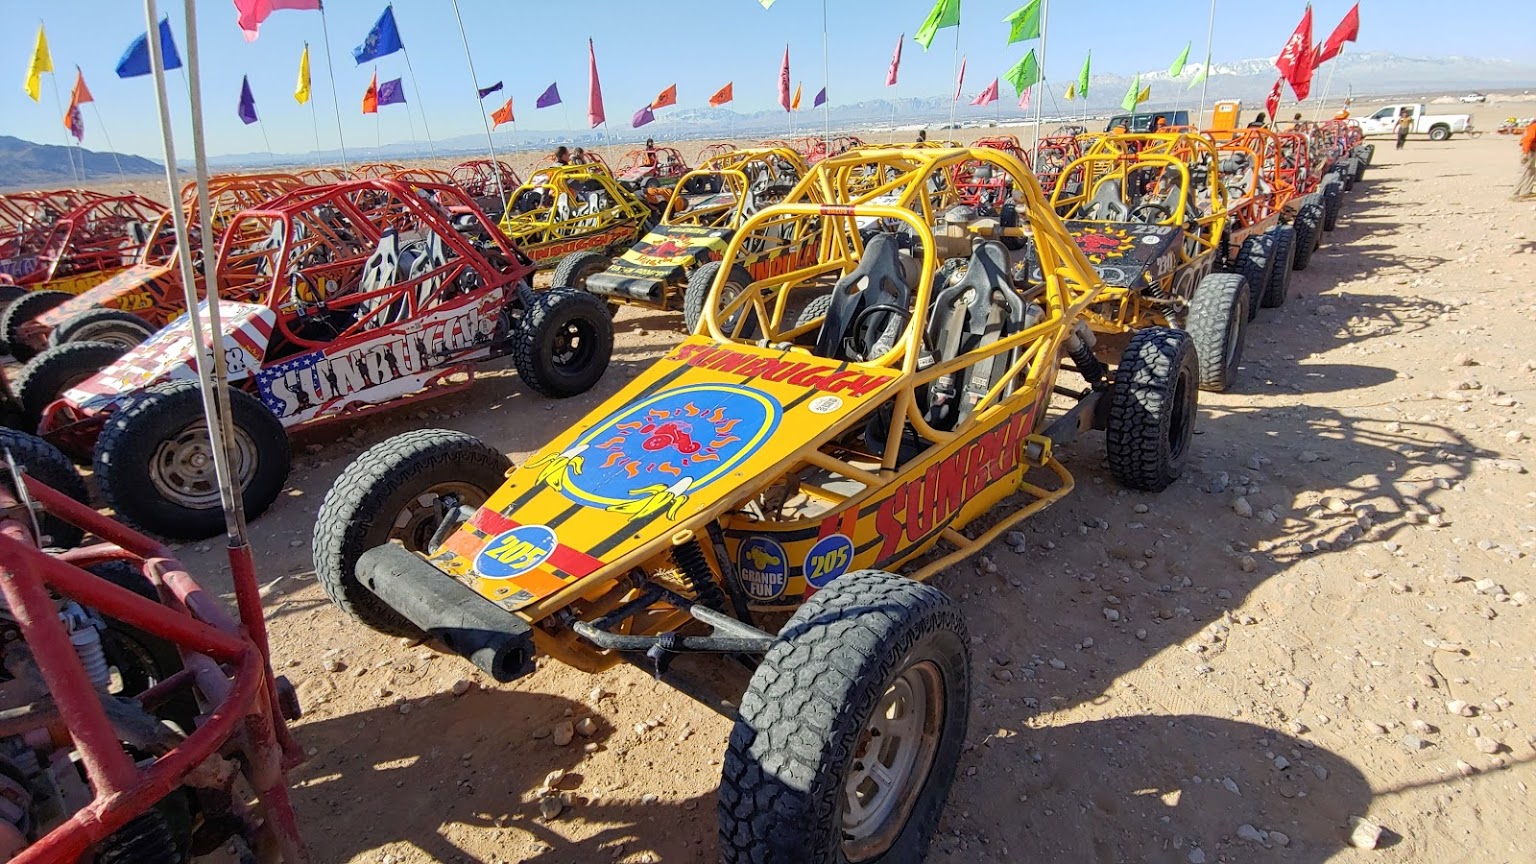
[(644, 46)]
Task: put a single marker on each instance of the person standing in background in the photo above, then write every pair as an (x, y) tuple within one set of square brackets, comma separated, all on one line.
[(1403, 126), (1527, 184)]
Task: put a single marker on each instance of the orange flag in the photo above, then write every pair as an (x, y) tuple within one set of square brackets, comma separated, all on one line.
[(794, 104), (666, 97), (81, 94), (722, 96), (502, 115), (371, 98)]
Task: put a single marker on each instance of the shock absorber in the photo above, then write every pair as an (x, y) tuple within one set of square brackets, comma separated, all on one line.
[(1080, 349), (689, 556), (86, 639)]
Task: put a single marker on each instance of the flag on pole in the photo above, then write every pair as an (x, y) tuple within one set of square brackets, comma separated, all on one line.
[(722, 96), (74, 121), (1024, 73), (1071, 91), (642, 117), (135, 61), (1024, 99), (503, 114), (890, 74), (371, 96), (595, 115), (1272, 103), (1082, 77), (301, 92), (392, 93), (551, 96), (1177, 68), (959, 80), (1025, 23), (987, 96), (821, 98), (665, 98), (945, 13), (1144, 95), (247, 107), (1296, 58), (253, 12), (1347, 31), (784, 80), (1205, 71), (1130, 101), (794, 104), (381, 41), (486, 91), (42, 62)]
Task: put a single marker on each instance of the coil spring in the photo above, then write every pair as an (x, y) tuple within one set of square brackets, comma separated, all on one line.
[(1087, 364), (146, 839), (86, 640), (696, 572)]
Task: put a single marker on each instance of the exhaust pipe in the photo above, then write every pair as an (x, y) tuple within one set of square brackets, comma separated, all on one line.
[(498, 642)]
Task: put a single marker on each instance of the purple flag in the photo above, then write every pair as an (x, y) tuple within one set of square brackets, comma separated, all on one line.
[(821, 98), (642, 117), (390, 92), (247, 102), (549, 97), (486, 91)]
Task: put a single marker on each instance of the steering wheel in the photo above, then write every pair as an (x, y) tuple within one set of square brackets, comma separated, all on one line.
[(1151, 205), (856, 340)]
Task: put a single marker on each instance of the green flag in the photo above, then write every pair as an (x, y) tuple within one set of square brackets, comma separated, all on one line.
[(1024, 74), (1200, 76), (946, 13), (1026, 23), (1129, 102), (1082, 77), (1177, 68)]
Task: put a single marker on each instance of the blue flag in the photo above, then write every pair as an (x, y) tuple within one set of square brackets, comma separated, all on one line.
[(247, 109), (135, 61), (486, 91), (382, 40), (549, 97), (391, 92)]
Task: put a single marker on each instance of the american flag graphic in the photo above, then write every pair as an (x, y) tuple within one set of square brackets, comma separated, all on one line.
[(265, 377)]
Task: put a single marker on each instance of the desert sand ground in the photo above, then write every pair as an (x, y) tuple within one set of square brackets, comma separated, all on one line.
[(1328, 618)]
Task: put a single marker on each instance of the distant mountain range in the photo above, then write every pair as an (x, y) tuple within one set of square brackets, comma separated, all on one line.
[(25, 165)]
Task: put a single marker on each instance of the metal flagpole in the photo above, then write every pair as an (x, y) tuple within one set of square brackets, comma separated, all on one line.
[(475, 80), (314, 117), (1045, 31), (826, 86), (113, 150), (954, 67), (325, 30), (1327, 86), (1210, 44), (414, 86), (69, 146), (271, 157)]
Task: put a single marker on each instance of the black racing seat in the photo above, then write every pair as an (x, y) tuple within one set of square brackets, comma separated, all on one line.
[(1108, 203), (969, 315), (878, 281)]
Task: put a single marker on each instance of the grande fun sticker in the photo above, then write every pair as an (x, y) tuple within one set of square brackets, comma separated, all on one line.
[(764, 568)]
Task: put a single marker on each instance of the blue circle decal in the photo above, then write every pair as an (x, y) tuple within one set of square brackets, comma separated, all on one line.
[(828, 559), (515, 552), (764, 568)]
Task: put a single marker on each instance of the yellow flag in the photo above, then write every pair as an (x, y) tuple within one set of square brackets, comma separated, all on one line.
[(795, 105), (1144, 95), (1071, 91), (41, 62), (301, 93)]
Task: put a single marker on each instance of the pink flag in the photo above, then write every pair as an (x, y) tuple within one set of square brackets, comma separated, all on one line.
[(784, 80), (595, 114), (960, 81), (890, 75), (253, 12), (1024, 98), (987, 96)]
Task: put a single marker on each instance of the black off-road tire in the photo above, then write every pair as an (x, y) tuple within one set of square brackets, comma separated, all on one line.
[(817, 308), (564, 343), (1256, 264), (697, 292), (1279, 287), (573, 270), (1347, 169), (1218, 326), (21, 311), (47, 463), (55, 370), (1309, 231), (113, 326), (1152, 409), (1369, 152), (1333, 202), (798, 732), (1359, 160), (359, 511), (134, 434), (9, 293)]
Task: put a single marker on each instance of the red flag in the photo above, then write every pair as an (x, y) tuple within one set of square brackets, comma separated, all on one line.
[(1347, 31), (784, 80), (890, 74), (960, 81), (503, 115), (1272, 104), (1295, 60), (371, 98), (722, 96), (81, 94), (595, 115), (987, 96), (666, 97)]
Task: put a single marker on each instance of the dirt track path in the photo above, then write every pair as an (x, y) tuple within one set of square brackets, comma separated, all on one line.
[(1265, 670)]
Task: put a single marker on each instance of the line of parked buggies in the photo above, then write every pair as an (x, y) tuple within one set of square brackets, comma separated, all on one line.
[(884, 345)]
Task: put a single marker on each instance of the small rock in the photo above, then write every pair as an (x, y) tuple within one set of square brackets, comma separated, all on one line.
[(586, 726), (1140, 508), (1460, 708), (1363, 833), (1282, 763), (1016, 539), (648, 798), (563, 732), (1279, 839), (1463, 360), (1241, 507), (1003, 675), (1112, 614), (1250, 833), (1325, 309), (1488, 586), (1307, 456), (1465, 769), (1057, 663), (541, 733), (1487, 745), (331, 664), (1196, 856), (1141, 634), (1413, 743), (1421, 727), (550, 807), (461, 686)]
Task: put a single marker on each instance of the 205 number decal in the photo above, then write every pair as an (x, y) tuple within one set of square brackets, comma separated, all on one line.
[(828, 559)]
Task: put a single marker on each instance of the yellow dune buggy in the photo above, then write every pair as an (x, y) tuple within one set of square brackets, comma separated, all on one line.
[(676, 262), (780, 460), (1152, 215), (571, 208)]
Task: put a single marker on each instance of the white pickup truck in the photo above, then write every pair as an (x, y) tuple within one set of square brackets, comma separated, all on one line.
[(1438, 127)]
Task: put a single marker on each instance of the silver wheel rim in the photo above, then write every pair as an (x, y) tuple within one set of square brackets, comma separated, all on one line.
[(418, 520), (181, 468), (112, 336), (892, 761)]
